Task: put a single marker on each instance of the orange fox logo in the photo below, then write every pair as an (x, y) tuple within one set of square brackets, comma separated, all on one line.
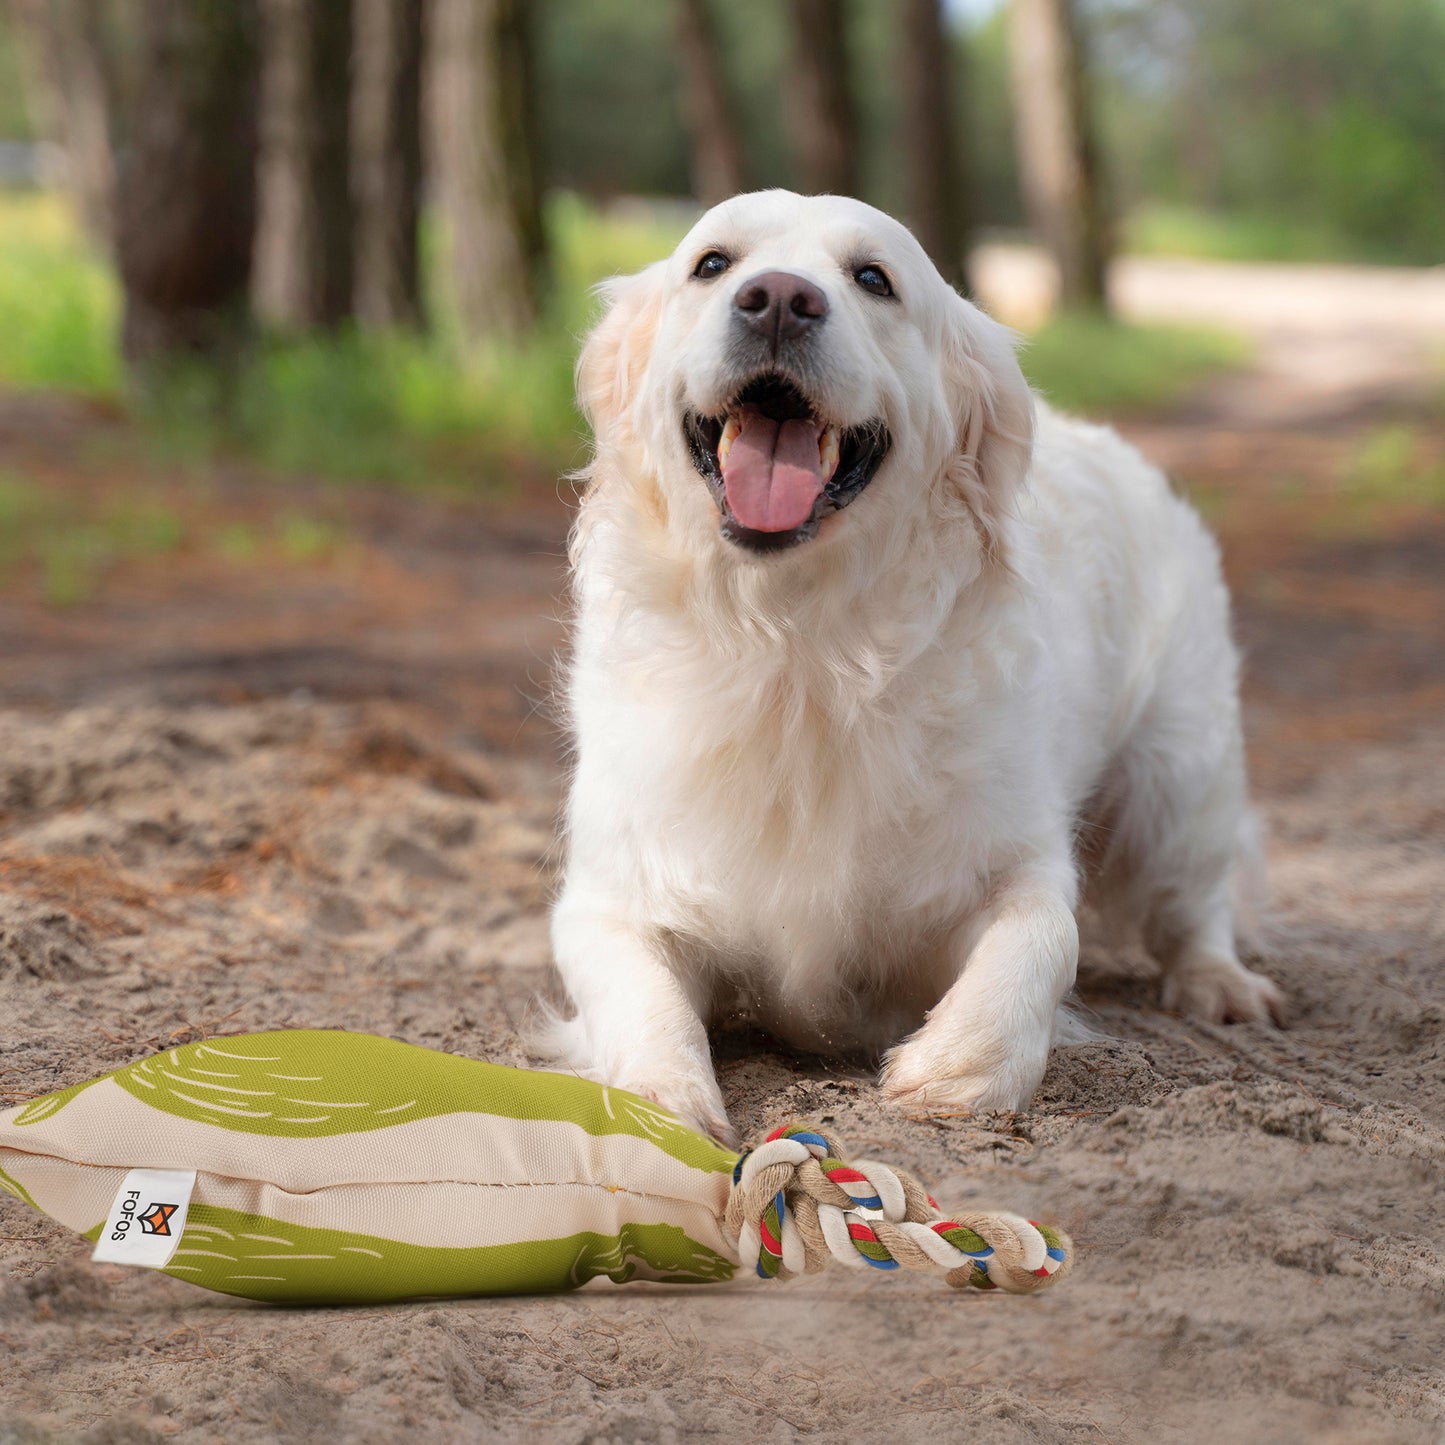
[(157, 1218)]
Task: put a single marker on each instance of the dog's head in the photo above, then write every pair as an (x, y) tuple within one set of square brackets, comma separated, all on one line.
[(797, 372)]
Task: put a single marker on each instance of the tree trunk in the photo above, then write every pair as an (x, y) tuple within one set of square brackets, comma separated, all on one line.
[(708, 107), (186, 186), (73, 96), (304, 264), (935, 194), (1057, 159), (825, 133), (386, 160), (482, 143)]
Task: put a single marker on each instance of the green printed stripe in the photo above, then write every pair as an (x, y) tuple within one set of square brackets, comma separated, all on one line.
[(40, 1109), (296, 1263), (314, 1083), (11, 1185)]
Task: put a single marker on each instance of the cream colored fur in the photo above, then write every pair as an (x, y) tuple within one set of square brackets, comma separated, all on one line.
[(840, 789)]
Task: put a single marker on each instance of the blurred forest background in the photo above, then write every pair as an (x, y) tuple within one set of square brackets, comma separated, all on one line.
[(290, 296), (356, 238)]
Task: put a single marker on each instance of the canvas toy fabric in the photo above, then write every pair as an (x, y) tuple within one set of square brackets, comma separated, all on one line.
[(327, 1167)]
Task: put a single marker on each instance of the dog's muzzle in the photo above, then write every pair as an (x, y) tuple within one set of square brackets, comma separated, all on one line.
[(776, 467)]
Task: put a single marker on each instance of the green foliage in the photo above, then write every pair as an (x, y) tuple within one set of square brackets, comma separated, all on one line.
[(1294, 129), (1394, 464), (70, 553), (14, 117), (397, 407), (1086, 363), (238, 542), (1312, 128), (59, 304), (1326, 118), (425, 411), (612, 123), (986, 136), (416, 410), (61, 545), (1393, 469), (419, 410), (609, 120), (1172, 230), (308, 539)]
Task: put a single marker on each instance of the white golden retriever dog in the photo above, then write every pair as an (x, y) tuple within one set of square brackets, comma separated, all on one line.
[(878, 661)]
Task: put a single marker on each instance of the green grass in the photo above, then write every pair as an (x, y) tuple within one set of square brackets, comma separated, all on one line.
[(421, 410), (1156, 229), (1085, 363), (59, 306), (1394, 464), (394, 408), (61, 545), (1396, 471), (307, 539), (71, 550)]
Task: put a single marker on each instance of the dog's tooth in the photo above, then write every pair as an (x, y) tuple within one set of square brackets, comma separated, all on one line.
[(828, 451), (731, 427)]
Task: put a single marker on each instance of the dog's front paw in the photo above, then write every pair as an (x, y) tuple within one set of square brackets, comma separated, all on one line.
[(990, 1073), (1221, 991), (696, 1102), (680, 1081)]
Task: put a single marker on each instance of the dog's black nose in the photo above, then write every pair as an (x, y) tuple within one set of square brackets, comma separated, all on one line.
[(779, 305)]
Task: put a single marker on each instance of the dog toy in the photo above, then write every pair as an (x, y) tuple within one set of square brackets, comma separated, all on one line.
[(326, 1167)]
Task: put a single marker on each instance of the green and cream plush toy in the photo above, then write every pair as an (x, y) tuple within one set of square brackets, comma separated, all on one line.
[(327, 1167)]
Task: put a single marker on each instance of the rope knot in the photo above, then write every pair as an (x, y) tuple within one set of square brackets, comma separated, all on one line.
[(798, 1201)]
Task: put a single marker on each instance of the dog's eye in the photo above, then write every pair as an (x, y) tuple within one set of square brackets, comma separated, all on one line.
[(872, 278), (713, 264)]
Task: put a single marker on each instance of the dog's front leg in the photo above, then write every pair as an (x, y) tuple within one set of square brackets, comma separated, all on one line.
[(638, 1025), (985, 1045)]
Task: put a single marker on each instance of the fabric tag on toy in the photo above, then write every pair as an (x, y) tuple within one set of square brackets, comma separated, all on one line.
[(145, 1223)]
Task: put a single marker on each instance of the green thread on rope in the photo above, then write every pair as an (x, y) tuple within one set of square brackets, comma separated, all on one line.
[(965, 1239), (868, 1211)]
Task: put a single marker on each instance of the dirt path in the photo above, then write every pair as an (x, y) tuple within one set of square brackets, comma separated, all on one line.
[(1334, 344), (240, 794)]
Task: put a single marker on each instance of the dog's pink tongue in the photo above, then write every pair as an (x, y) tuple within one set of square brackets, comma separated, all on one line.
[(773, 475)]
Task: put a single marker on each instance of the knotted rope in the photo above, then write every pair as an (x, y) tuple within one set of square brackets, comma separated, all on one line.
[(796, 1202)]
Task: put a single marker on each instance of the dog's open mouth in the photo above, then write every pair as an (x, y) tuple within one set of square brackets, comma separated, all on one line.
[(776, 468)]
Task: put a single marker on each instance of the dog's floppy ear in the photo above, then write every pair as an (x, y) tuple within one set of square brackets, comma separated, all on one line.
[(994, 409), (616, 352)]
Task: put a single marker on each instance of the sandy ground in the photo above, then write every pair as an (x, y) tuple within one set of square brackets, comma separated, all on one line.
[(236, 797)]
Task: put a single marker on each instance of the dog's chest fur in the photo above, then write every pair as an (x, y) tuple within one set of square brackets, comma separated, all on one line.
[(807, 809)]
